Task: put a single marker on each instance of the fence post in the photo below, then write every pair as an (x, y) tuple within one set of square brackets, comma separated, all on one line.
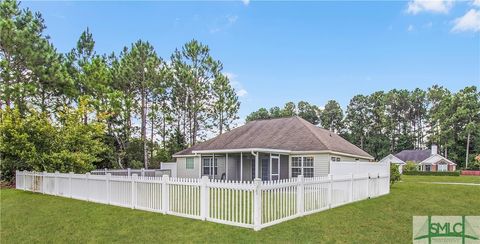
[(128, 172), (143, 172), (257, 204), (44, 173), (165, 194), (55, 184), (24, 180), (87, 175), (17, 173), (330, 189), (107, 180), (106, 170), (351, 187), (133, 179), (300, 194), (204, 196), (368, 186), (70, 184)]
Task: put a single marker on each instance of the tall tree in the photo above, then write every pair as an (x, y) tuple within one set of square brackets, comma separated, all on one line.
[(358, 120), (30, 67), (467, 116), (261, 113), (78, 61), (308, 112), (289, 109), (417, 115), (225, 104), (441, 130), (332, 116), (194, 69), (142, 69)]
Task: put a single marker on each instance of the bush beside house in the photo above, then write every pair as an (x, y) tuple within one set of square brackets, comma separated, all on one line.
[(394, 174)]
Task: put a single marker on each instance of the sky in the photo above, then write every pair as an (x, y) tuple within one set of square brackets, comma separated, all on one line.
[(280, 51)]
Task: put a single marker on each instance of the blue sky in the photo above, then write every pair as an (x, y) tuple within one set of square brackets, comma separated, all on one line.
[(276, 52)]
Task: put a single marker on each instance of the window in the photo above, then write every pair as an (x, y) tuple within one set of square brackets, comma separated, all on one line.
[(302, 166), (296, 166), (189, 163), (427, 168), (338, 159), (209, 168)]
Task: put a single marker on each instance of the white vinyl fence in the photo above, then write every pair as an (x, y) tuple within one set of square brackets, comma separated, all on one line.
[(254, 204), (130, 172)]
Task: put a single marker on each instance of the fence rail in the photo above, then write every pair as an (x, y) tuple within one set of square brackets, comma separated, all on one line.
[(130, 172), (253, 204)]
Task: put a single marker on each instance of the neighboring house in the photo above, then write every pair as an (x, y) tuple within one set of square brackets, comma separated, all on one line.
[(268, 149), (427, 160)]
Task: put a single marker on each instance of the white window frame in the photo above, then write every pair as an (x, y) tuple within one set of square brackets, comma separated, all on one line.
[(212, 167), (193, 163), (302, 165)]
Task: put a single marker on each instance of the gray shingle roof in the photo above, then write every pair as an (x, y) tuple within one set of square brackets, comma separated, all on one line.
[(292, 133), (414, 155)]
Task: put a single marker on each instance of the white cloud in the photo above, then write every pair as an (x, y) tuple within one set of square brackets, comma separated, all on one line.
[(224, 23), (410, 28), (469, 22), (434, 6), (428, 25), (246, 2), (476, 3), (241, 92), (232, 19), (215, 30)]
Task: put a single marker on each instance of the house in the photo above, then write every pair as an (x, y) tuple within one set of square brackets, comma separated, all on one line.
[(269, 149), (427, 160)]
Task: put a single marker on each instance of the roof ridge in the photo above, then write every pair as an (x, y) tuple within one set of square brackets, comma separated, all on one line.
[(304, 123)]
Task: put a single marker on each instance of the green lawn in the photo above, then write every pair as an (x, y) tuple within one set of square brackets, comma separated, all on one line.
[(458, 179), (28, 217)]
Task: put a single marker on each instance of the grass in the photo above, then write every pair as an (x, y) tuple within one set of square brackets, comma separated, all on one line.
[(28, 217), (457, 179)]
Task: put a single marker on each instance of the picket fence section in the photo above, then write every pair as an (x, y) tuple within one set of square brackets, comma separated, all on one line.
[(254, 204)]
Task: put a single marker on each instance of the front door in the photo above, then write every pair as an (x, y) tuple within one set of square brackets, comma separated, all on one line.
[(442, 167), (265, 169), (275, 168)]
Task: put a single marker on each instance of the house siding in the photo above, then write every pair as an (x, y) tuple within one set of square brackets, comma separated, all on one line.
[(321, 166), (321, 163), (348, 159), (183, 172)]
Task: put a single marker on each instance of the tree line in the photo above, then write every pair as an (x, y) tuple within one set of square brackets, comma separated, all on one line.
[(140, 107), (389, 122)]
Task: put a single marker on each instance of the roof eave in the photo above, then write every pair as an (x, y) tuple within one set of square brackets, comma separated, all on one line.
[(271, 150)]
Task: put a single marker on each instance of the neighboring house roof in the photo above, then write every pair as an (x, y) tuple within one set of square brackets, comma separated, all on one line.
[(414, 155), (292, 134), (391, 159), (435, 159), (417, 156)]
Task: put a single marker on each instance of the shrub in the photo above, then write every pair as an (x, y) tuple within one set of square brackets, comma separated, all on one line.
[(410, 166), (36, 142), (394, 174), (430, 173)]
